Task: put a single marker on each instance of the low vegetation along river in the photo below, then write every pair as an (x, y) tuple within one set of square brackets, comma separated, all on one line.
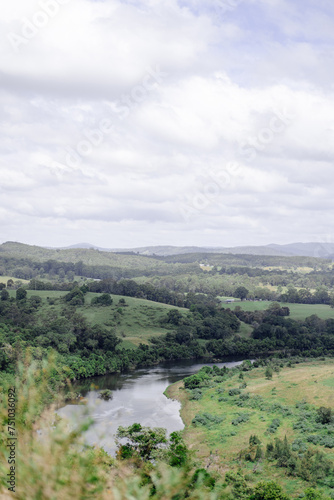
[(136, 397)]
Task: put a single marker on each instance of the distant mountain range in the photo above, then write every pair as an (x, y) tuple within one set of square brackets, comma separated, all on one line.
[(322, 250)]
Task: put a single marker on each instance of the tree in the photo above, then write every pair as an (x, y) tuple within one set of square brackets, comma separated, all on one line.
[(106, 340), (183, 334), (75, 297), (21, 294), (268, 491), (174, 317), (35, 301), (61, 273), (178, 451), (70, 275), (268, 373), (2, 286), (312, 494), (4, 295), (103, 300), (324, 415), (275, 309), (142, 441), (241, 292)]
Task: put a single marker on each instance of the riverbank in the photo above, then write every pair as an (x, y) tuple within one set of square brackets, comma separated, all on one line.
[(281, 403)]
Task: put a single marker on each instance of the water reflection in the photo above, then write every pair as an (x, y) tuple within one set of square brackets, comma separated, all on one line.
[(137, 397)]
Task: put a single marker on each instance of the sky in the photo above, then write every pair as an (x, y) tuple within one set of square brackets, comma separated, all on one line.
[(165, 122)]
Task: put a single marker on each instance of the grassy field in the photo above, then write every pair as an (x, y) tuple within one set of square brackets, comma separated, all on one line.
[(4, 279), (297, 311), (134, 323), (218, 446)]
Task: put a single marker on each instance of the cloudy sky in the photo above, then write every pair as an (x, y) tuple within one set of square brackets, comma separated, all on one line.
[(152, 122)]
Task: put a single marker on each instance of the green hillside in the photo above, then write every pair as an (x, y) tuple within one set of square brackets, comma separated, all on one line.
[(135, 322), (87, 256)]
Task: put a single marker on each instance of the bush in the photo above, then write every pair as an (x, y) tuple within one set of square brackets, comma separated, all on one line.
[(103, 300), (268, 491), (324, 415), (178, 453), (75, 297), (196, 394), (21, 294), (201, 476), (326, 441), (242, 417), (199, 379), (274, 426), (105, 394), (234, 392), (207, 419), (299, 446)]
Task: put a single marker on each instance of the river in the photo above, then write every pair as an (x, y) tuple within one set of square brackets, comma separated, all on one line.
[(137, 397)]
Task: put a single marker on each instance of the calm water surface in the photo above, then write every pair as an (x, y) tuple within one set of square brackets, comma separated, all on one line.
[(137, 397)]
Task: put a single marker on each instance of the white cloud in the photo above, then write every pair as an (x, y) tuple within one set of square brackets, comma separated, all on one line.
[(251, 85)]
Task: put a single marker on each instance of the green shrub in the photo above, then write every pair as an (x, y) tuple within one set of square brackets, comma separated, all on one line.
[(234, 392), (299, 446), (195, 394), (324, 415), (274, 426), (268, 491), (102, 300), (326, 441), (207, 419), (242, 417), (105, 394)]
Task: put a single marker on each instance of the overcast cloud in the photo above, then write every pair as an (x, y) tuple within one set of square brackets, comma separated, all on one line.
[(193, 122)]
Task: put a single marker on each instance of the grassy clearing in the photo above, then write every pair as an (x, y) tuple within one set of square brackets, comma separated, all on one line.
[(135, 323), (218, 446), (297, 311), (245, 330), (4, 279)]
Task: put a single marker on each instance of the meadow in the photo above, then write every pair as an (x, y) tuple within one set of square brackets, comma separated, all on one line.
[(4, 279), (289, 397), (297, 311)]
